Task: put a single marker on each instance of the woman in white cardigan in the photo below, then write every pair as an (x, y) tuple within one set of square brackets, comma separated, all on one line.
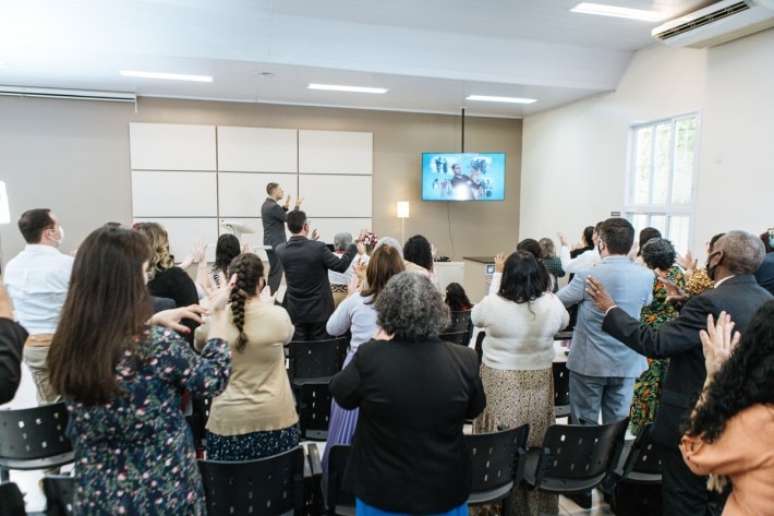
[(520, 317)]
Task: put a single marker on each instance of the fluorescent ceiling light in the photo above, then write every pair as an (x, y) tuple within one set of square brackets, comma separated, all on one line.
[(619, 12), (166, 76), (341, 87), (509, 100)]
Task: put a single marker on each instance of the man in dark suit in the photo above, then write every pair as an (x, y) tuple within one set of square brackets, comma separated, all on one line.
[(306, 262), (765, 273), (273, 217), (734, 260)]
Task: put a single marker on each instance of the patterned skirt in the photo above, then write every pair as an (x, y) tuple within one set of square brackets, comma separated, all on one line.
[(254, 445), (515, 398), (341, 427)]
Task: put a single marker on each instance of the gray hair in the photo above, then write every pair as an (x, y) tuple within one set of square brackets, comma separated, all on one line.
[(547, 246), (411, 308), (389, 241), (743, 252), (341, 241)]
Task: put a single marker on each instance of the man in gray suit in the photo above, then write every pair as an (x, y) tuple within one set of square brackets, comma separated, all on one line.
[(273, 217), (603, 369)]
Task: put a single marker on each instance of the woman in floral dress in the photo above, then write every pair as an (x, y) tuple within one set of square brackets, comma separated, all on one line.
[(121, 379), (657, 254)]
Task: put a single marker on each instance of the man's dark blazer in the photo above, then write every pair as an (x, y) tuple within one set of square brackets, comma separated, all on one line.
[(306, 263), (12, 338), (678, 340), (765, 274), (273, 217)]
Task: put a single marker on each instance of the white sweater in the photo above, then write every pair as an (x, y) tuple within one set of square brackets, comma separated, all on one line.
[(520, 336)]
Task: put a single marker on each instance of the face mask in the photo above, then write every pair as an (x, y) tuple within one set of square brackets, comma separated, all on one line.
[(711, 269)]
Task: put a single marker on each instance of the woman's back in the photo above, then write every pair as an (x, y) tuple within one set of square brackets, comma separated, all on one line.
[(409, 454)]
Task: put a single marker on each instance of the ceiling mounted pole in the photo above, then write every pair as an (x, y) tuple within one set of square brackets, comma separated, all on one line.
[(462, 135)]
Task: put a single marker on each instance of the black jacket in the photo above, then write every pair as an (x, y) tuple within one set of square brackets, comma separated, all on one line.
[(408, 453), (12, 337), (765, 274), (273, 217), (679, 341), (175, 284), (306, 263)]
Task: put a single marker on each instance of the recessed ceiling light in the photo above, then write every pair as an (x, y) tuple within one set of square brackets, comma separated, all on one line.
[(509, 100), (166, 76), (351, 89), (619, 12)]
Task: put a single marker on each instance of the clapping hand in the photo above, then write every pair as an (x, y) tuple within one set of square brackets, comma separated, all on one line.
[(674, 293), (218, 296), (718, 342), (361, 249), (499, 260), (299, 201), (354, 285), (173, 318), (360, 271), (199, 250), (562, 240), (315, 234), (688, 263)]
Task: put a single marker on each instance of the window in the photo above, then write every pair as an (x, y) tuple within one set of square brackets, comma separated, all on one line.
[(662, 172)]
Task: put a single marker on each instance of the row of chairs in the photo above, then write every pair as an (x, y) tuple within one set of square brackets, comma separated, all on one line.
[(572, 458)]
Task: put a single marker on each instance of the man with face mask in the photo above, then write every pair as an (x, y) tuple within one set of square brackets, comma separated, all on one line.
[(37, 280), (731, 264)]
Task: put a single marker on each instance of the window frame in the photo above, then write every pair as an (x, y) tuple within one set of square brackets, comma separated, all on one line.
[(667, 209)]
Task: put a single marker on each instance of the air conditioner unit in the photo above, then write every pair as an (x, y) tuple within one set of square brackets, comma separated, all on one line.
[(717, 23)]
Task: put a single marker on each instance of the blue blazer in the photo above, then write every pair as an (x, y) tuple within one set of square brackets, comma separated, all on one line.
[(594, 352)]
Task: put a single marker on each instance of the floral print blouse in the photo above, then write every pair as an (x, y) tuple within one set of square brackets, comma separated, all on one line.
[(135, 454)]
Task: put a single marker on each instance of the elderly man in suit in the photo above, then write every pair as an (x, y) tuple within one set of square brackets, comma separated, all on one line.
[(273, 217), (602, 369), (306, 262), (732, 265)]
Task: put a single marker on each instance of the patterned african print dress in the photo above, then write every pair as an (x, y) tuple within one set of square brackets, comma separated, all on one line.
[(647, 388), (135, 454)]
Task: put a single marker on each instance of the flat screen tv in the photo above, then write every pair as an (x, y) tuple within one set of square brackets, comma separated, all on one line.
[(469, 176)]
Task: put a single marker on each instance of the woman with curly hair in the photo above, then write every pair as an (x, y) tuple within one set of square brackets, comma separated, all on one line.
[(164, 278), (730, 435), (414, 394), (658, 255), (255, 416)]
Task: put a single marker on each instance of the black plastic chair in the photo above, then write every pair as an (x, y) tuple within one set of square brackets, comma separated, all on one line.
[(34, 438), (59, 491), (456, 337), (561, 390), (316, 360), (497, 464), (313, 497), (313, 400), (460, 328), (339, 496), (269, 486), (638, 485), (574, 458)]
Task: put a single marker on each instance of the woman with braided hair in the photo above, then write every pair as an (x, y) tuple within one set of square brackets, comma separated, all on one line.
[(255, 416)]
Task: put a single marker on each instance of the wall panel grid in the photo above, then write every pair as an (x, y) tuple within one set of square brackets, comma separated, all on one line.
[(194, 178)]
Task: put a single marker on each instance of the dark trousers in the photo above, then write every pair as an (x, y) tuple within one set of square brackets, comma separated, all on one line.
[(683, 493), (310, 331), (275, 271)]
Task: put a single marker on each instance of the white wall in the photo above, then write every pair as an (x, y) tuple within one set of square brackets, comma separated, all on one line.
[(575, 157)]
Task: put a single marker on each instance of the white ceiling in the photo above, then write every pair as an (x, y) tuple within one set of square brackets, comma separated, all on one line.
[(431, 54)]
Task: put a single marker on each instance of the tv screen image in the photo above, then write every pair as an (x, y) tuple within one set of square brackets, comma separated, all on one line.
[(469, 176)]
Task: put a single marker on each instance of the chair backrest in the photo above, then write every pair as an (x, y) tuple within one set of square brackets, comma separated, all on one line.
[(580, 452), (338, 492), (316, 359), (59, 491), (268, 486), (497, 457), (314, 409), (642, 457), (459, 321), (561, 384), (456, 337), (34, 433)]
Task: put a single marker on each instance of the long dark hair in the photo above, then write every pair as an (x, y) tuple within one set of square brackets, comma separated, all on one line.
[(532, 246), (417, 250), (226, 250), (457, 298), (746, 379), (524, 278), (383, 265), (106, 308), (588, 237), (646, 235), (249, 272)]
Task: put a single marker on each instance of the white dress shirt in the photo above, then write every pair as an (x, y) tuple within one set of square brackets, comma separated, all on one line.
[(585, 260), (37, 281)]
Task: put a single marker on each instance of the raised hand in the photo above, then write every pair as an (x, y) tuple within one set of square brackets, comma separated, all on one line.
[(562, 239), (299, 201), (499, 260), (688, 262), (287, 201), (354, 285), (718, 342), (599, 295), (199, 250), (360, 271), (315, 234), (361, 249)]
